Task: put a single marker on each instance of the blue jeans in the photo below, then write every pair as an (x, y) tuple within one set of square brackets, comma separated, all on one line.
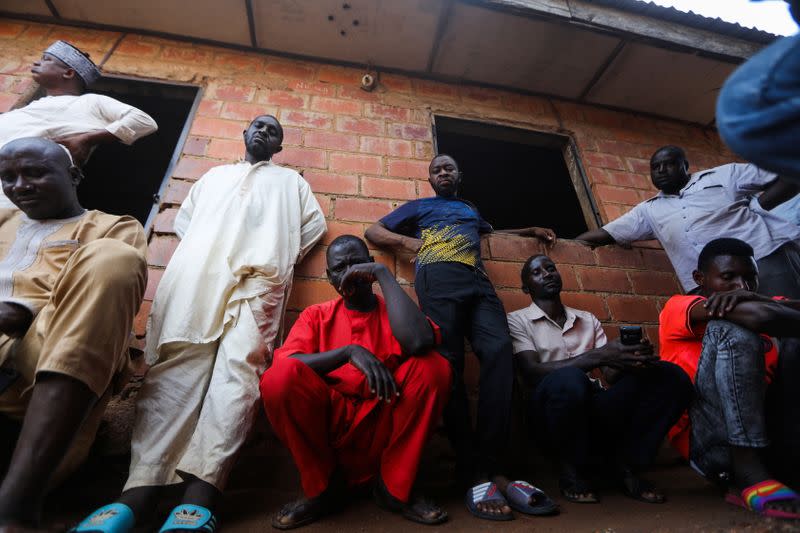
[(735, 407), (586, 426), (758, 110)]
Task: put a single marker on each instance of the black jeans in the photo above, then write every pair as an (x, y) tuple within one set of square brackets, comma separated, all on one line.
[(586, 426), (462, 301), (735, 407)]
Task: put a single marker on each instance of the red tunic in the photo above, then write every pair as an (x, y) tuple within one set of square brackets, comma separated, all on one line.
[(334, 421)]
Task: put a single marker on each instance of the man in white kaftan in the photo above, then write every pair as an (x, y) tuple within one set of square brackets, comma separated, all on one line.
[(67, 114), (215, 316)]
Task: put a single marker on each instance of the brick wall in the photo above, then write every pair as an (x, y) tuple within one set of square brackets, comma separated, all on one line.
[(366, 153)]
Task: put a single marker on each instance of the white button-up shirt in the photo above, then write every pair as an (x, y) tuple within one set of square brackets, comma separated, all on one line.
[(715, 203), (532, 330)]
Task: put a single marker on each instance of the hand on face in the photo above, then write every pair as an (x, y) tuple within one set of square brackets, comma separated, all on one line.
[(359, 275), (380, 379)]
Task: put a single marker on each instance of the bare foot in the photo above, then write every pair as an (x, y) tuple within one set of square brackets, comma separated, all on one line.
[(494, 507)]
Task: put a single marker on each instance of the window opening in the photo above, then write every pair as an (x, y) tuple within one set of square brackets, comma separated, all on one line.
[(519, 178), (128, 180)]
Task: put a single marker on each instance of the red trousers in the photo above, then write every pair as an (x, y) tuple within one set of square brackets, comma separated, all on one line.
[(324, 429)]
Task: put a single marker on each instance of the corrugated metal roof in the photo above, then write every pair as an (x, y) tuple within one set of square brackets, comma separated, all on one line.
[(716, 25)]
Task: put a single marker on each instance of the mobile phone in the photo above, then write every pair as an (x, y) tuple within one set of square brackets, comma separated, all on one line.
[(7, 378), (630, 335)]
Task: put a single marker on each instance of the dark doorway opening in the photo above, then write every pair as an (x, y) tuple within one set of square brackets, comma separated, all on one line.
[(127, 180), (518, 178)]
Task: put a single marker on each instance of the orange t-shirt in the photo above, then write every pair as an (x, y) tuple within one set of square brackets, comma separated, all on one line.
[(681, 344)]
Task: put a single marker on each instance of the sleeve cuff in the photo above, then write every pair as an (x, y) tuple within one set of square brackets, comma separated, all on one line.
[(121, 132)]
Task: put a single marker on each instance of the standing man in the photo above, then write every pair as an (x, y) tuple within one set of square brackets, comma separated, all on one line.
[(71, 282), (356, 390), (68, 114), (583, 422), (690, 210), (743, 429), (453, 289), (211, 331)]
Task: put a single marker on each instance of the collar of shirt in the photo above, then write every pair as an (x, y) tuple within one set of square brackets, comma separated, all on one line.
[(533, 312), (693, 179)]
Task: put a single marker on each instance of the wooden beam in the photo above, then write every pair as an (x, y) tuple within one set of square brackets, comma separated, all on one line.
[(251, 24), (602, 69), (441, 27)]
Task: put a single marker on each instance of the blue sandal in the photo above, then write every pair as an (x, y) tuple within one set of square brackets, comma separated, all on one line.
[(112, 518), (486, 492), (188, 517), (519, 495)]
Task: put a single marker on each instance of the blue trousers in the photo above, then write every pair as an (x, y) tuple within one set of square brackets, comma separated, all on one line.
[(758, 110), (585, 426)]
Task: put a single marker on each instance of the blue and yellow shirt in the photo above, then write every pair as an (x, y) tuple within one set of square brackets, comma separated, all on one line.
[(450, 229)]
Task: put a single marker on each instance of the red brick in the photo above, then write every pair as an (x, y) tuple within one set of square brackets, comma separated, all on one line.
[(613, 211), (490, 97), (384, 146), (432, 89), (405, 268), (325, 203), (655, 283), (301, 157), (153, 279), (390, 112), (423, 150), (504, 274), (336, 106), (321, 181), (186, 54), (160, 249), (331, 140), (368, 164), (617, 256), (604, 279), (624, 149), (639, 166), (357, 93), (284, 99), (337, 228), (408, 168), (414, 132), (388, 188), (313, 265), (192, 168), (571, 253), (306, 292), (216, 127), (513, 299), (238, 61), (322, 89), (176, 192), (361, 210), (245, 111), (306, 119), (514, 248), (632, 309), (594, 159), (165, 221), (209, 108), (289, 69), (131, 47), (396, 83), (588, 302), (10, 30), (292, 136), (628, 179), (618, 195), (140, 320), (651, 333), (226, 149), (234, 93), (656, 260), (359, 125), (340, 75), (195, 146)]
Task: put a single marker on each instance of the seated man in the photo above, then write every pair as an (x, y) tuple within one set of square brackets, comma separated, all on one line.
[(580, 421), (68, 114), (356, 390), (215, 316), (748, 407), (71, 282)]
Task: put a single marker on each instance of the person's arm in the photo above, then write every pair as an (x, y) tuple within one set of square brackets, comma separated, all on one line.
[(409, 325), (313, 225), (126, 123), (754, 313), (378, 235), (184, 216), (778, 192), (545, 235), (80, 144), (595, 237), (15, 319)]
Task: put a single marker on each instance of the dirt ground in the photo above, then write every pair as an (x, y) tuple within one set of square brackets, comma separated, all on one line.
[(265, 479)]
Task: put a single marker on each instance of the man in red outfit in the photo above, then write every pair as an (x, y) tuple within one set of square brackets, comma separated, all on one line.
[(356, 390)]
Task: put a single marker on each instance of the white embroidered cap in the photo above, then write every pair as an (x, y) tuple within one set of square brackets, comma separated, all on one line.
[(74, 58)]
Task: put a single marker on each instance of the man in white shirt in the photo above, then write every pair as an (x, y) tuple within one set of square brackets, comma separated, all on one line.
[(67, 114), (578, 420), (214, 320), (690, 210)]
